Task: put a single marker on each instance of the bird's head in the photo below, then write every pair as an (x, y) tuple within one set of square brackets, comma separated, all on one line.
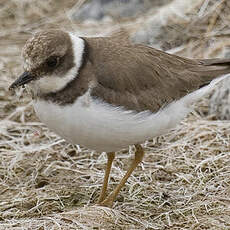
[(52, 59)]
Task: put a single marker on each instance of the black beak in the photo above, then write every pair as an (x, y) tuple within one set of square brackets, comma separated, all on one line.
[(22, 80)]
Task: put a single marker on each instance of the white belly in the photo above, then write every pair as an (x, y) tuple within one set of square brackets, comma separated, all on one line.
[(102, 127)]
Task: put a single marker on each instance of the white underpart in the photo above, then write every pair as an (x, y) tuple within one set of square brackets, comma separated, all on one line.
[(102, 127), (54, 83)]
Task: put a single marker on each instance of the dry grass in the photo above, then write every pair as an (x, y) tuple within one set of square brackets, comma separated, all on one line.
[(45, 183)]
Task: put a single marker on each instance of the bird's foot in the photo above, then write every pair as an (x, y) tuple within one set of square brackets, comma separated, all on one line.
[(106, 203)]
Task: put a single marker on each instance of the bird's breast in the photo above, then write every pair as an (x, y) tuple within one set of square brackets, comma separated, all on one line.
[(103, 127)]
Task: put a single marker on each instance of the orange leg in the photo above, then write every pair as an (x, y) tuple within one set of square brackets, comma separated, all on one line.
[(108, 202), (110, 157)]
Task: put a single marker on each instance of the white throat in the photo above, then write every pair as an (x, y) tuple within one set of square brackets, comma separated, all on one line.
[(54, 83)]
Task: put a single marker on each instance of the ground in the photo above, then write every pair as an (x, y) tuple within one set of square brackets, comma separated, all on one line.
[(46, 183)]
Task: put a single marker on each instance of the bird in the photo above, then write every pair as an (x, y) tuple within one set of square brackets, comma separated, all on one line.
[(107, 93)]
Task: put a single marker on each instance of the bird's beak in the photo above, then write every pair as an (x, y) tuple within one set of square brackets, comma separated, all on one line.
[(25, 78)]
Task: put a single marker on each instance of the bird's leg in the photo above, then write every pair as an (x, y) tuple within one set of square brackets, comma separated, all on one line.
[(108, 202), (110, 158)]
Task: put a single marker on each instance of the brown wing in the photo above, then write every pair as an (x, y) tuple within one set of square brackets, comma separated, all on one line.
[(142, 78)]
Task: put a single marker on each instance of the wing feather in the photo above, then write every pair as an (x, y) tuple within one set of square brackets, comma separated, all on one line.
[(140, 78)]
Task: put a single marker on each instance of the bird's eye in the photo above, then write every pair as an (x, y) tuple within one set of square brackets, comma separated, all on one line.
[(52, 62)]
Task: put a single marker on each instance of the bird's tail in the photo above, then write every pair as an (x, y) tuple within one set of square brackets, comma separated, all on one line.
[(210, 72), (213, 68)]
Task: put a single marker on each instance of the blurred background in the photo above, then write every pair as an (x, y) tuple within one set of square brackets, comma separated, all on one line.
[(184, 181)]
